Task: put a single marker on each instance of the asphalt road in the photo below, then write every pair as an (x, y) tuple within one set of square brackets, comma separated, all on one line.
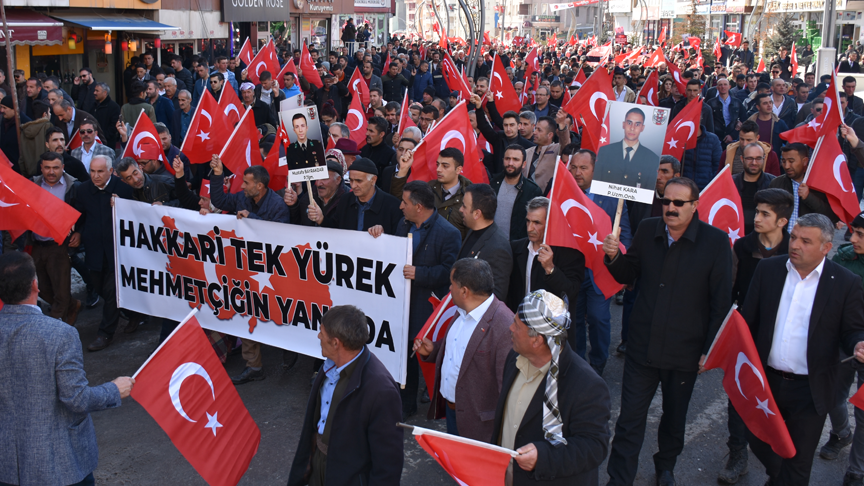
[(135, 451)]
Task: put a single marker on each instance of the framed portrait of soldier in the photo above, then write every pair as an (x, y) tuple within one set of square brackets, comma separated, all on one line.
[(626, 167), (303, 126)]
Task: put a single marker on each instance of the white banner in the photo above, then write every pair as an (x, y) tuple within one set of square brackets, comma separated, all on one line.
[(578, 3), (268, 282)]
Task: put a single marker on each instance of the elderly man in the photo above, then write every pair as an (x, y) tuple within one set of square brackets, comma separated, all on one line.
[(552, 407), (170, 85), (469, 360), (328, 193), (89, 147), (45, 417), (352, 411), (260, 110), (67, 118), (182, 116), (107, 112)]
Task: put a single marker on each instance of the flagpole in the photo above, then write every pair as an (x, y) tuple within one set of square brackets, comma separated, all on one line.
[(415, 430), (714, 179), (188, 317), (551, 191), (437, 317), (720, 331), (813, 158)]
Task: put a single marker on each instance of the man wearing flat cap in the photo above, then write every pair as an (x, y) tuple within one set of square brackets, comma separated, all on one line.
[(553, 408), (365, 208)]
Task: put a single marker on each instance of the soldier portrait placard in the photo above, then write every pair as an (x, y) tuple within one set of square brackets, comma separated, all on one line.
[(306, 149), (626, 168)]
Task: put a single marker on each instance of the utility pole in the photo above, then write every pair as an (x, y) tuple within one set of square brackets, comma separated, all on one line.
[(827, 54), (10, 70)]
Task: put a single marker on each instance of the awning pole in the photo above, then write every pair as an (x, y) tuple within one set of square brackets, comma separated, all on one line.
[(10, 66)]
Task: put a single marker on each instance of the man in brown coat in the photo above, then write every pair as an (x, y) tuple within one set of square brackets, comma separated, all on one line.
[(469, 360)]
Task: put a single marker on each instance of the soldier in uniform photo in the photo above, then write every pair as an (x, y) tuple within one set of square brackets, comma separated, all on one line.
[(304, 152), (628, 162)]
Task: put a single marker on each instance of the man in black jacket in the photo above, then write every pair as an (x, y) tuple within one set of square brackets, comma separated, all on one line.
[(83, 91), (349, 433), (485, 240), (684, 267), (95, 231), (107, 112), (394, 83), (375, 149), (537, 265), (728, 113), (803, 291), (181, 73), (750, 181), (268, 92), (499, 140), (514, 192)]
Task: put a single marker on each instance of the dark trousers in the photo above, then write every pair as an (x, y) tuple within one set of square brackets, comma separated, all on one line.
[(412, 381), (629, 300), (591, 311), (450, 416), (54, 272), (637, 391), (737, 429), (81, 267), (168, 327), (88, 481), (795, 401), (103, 282)]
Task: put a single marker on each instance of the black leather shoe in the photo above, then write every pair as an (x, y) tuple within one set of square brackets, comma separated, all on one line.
[(622, 348), (100, 343), (665, 478), (619, 298), (424, 398), (248, 375), (132, 325), (289, 359), (851, 479), (92, 300)]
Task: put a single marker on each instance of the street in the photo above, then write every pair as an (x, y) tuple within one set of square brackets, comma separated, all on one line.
[(134, 450)]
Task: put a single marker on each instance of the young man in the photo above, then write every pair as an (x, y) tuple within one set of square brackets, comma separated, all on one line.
[(514, 191), (770, 126), (794, 160)]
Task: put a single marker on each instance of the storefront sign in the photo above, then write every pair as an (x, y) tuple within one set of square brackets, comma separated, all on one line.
[(736, 6), (718, 7), (545, 18), (667, 9), (801, 5), (683, 8), (620, 6), (254, 10), (372, 3)]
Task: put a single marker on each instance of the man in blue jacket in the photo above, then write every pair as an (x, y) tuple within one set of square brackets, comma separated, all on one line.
[(163, 107)]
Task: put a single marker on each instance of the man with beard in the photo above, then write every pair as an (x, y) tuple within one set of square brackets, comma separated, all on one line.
[(514, 191), (499, 140), (751, 180)]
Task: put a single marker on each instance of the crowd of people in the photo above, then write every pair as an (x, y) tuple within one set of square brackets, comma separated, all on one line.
[(522, 366)]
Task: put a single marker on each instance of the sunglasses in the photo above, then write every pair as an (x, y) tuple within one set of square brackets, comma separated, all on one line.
[(676, 202), (214, 82), (85, 132)]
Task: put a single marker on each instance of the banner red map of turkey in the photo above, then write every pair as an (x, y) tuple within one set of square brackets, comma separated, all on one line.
[(268, 282)]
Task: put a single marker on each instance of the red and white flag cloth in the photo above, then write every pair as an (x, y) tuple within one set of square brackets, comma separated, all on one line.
[(278, 173), (656, 58), (589, 103), (245, 53), (828, 172), (682, 132), (649, 90), (502, 90), (575, 221), (386, 68), (723, 203), (732, 39), (662, 37), (454, 79), (454, 130), (265, 60), (185, 388), (579, 79), (242, 150), (532, 62), (761, 67), (405, 119), (358, 87), (677, 78), (356, 120), (746, 385), (208, 131), (717, 51), (77, 142), (444, 313), (467, 461), (794, 61), (695, 42), (144, 143), (289, 67), (26, 206), (307, 67), (231, 106), (826, 123)]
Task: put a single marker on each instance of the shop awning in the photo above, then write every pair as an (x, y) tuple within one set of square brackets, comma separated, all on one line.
[(114, 22), (27, 27)]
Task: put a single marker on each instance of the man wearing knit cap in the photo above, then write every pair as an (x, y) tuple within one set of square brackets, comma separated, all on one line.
[(553, 409)]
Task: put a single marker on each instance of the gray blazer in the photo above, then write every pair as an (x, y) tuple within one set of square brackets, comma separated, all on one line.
[(46, 433)]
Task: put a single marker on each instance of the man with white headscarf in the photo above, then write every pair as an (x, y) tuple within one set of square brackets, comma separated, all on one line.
[(553, 409)]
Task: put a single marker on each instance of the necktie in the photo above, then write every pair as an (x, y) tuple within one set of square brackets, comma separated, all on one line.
[(629, 155)]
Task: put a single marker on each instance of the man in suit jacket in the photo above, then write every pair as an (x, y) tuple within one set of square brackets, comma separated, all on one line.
[(45, 415), (68, 118), (349, 433), (485, 240), (801, 308), (566, 449), (684, 268), (628, 162), (537, 265), (469, 359)]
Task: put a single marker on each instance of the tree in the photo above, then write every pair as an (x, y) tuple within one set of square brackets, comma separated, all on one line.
[(694, 24), (784, 34)]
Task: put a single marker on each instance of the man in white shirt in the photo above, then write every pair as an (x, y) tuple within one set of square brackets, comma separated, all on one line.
[(469, 359), (87, 130), (800, 309)]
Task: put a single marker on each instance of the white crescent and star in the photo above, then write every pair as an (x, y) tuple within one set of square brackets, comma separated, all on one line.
[(258, 68), (688, 124), (837, 161), (451, 135), (205, 135), (570, 204), (651, 97), (733, 234), (355, 112), (741, 361), (4, 204), (445, 316), (136, 142), (180, 374), (593, 100), (230, 108)]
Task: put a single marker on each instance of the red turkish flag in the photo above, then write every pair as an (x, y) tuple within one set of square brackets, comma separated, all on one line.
[(501, 88), (662, 37), (467, 461), (242, 150), (278, 173), (245, 53), (857, 399), (589, 103), (436, 328), (405, 120), (649, 90), (386, 68), (682, 131), (532, 63), (77, 142), (265, 60), (572, 40), (718, 51), (794, 61), (695, 42), (656, 58), (829, 173), (761, 67), (719, 193), (454, 130), (231, 106), (576, 222), (732, 39), (26, 206), (307, 67), (185, 388), (359, 87), (289, 67), (580, 78), (744, 380), (145, 144), (454, 79), (826, 123), (676, 76), (358, 127), (208, 131)]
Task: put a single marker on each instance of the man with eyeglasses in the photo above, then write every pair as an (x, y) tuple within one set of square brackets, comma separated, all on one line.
[(684, 268), (89, 146), (751, 180)]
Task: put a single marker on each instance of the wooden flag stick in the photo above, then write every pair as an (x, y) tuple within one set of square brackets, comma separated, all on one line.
[(616, 228)]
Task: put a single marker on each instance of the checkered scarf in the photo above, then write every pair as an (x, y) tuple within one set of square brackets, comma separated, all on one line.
[(547, 314)]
